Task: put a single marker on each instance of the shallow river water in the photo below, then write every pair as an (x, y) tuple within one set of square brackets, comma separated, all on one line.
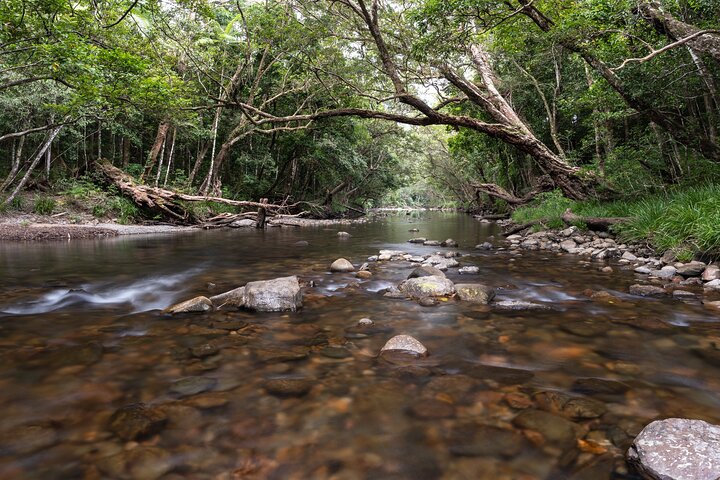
[(552, 392)]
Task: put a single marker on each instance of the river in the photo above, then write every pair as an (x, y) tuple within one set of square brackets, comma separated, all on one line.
[(554, 391)]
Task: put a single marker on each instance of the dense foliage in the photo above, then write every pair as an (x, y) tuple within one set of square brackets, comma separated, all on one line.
[(305, 100)]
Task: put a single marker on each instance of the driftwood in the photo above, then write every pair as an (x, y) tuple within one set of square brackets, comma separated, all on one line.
[(600, 224), (525, 226), (167, 202)]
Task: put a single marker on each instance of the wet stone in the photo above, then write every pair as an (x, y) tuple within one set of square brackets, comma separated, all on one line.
[(592, 386), (405, 343), (205, 401), (583, 408), (272, 355), (503, 375), (288, 387), (432, 409), (469, 270), (194, 305), (692, 269), (137, 421), (335, 352), (425, 271), (342, 265), (585, 329), (204, 350), (710, 354), (27, 439), (86, 354), (475, 293), (142, 463), (365, 322), (364, 275), (192, 385), (427, 301), (432, 286), (647, 290), (556, 430), (677, 449), (472, 440), (233, 298)]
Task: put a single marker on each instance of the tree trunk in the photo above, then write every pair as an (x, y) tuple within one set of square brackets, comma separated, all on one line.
[(675, 128), (155, 150), (198, 161), (170, 156), (675, 29), (15, 165), (51, 136), (261, 213), (125, 152)]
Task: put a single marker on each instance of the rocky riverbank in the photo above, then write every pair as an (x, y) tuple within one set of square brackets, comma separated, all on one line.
[(666, 276)]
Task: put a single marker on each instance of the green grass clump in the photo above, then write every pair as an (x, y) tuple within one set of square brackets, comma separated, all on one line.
[(127, 212), (44, 206), (684, 220)]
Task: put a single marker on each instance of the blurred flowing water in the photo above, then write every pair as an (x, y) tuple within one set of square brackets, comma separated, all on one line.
[(553, 391)]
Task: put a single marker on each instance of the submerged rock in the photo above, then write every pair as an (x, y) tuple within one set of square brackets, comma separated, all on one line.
[(288, 387), (405, 343), (431, 286), (343, 234), (475, 293), (342, 265), (556, 430), (449, 243), (232, 298), (192, 385), (137, 421), (417, 240), (275, 295), (677, 449), (484, 246)]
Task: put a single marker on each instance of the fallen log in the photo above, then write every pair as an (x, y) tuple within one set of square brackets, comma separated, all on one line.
[(496, 191), (599, 224), (167, 202), (498, 216), (525, 226)]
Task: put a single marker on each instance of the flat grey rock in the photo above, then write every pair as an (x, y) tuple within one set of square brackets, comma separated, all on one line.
[(677, 449)]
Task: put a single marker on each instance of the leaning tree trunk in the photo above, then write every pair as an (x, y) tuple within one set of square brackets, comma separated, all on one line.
[(38, 156), (155, 150)]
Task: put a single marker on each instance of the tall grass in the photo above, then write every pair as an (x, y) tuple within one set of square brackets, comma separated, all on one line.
[(686, 220)]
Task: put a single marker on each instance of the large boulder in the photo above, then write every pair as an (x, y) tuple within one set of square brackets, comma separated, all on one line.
[(475, 292), (432, 286), (275, 295), (677, 449), (233, 298), (342, 265), (197, 304)]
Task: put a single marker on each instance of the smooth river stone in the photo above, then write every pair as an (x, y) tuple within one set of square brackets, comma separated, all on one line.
[(405, 343), (192, 385), (677, 449), (342, 265), (137, 421)]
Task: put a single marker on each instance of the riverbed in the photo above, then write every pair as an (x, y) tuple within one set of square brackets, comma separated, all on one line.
[(557, 388)]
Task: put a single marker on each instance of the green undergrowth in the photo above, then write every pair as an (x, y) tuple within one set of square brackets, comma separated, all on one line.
[(684, 220)]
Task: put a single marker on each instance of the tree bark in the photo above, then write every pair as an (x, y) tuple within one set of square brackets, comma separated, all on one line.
[(676, 30), (38, 156), (155, 149), (496, 191), (666, 122)]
